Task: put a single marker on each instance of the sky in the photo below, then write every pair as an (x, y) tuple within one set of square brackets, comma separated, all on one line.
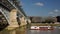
[(41, 7)]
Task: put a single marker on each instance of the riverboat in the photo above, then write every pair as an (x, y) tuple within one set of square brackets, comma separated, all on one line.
[(41, 28)]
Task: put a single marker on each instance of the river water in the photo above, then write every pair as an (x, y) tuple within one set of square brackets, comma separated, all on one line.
[(55, 31), (27, 31)]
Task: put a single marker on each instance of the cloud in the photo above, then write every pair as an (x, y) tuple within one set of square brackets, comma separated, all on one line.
[(50, 12), (39, 4), (56, 10)]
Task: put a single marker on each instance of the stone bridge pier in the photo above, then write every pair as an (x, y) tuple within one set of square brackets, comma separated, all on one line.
[(12, 20), (23, 21), (13, 24), (9, 10)]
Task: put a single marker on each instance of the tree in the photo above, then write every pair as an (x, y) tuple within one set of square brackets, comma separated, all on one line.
[(49, 20)]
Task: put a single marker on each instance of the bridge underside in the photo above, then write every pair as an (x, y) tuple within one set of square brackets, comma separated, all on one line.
[(3, 22), (15, 15)]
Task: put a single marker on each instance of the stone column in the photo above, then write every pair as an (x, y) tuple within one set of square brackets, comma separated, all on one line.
[(23, 21), (12, 20), (29, 21)]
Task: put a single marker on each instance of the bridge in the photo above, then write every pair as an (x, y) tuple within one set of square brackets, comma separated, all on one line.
[(12, 15)]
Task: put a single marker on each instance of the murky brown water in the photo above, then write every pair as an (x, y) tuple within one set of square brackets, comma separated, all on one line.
[(55, 31), (43, 32), (27, 31)]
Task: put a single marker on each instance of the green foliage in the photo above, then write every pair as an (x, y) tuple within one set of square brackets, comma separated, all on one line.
[(49, 20)]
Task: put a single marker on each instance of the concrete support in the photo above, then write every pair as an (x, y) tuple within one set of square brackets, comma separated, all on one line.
[(23, 21), (12, 20)]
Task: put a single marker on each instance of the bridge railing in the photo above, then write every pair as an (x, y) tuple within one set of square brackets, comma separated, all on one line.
[(16, 7), (5, 14), (12, 3)]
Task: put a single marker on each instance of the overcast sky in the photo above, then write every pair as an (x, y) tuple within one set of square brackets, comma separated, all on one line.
[(41, 7)]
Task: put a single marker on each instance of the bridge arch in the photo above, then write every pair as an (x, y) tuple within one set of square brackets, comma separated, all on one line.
[(3, 20)]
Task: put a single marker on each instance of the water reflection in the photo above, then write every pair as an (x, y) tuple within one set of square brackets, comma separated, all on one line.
[(55, 31), (24, 30)]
